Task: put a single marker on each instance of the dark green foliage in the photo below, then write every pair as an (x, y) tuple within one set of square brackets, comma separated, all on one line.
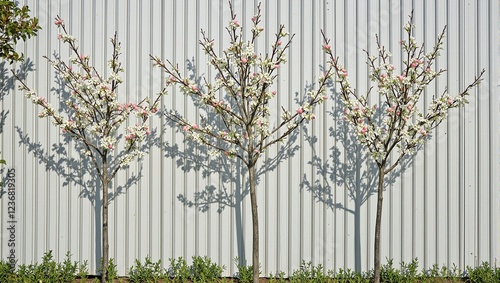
[(15, 24), (7, 273)]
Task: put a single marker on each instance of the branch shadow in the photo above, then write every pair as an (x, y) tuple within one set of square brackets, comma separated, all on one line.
[(77, 170), (232, 186), (7, 84), (347, 167)]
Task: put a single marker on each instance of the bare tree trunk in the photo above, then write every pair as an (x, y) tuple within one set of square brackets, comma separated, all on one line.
[(105, 240), (255, 225), (378, 221)]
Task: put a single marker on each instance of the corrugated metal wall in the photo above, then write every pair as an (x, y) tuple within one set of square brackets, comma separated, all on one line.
[(316, 199)]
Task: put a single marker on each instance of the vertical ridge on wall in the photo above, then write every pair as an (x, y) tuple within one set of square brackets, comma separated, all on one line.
[(317, 201)]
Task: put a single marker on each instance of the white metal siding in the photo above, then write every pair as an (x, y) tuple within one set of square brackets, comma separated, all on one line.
[(315, 204)]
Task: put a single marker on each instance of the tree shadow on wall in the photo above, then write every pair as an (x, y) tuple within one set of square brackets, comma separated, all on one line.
[(348, 167), (7, 84), (75, 169), (231, 185)]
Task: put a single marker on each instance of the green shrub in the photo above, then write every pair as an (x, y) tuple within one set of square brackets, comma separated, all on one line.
[(7, 272), (279, 277), (349, 276), (245, 273), (178, 271), (482, 274), (204, 270), (149, 272), (390, 274), (307, 272)]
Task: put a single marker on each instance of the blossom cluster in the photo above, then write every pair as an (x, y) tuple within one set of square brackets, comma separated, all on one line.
[(93, 113), (240, 92), (397, 122)]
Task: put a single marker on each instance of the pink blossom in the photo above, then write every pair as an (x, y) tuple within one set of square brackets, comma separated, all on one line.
[(134, 106), (194, 88), (244, 60), (235, 23), (254, 19), (273, 92), (390, 110), (129, 137), (279, 42), (392, 67), (400, 42), (58, 22), (327, 47), (300, 110), (154, 110), (450, 101), (276, 66), (383, 75), (409, 107), (110, 146), (423, 132), (364, 130), (185, 128), (428, 70), (194, 127), (325, 97), (415, 63), (59, 36), (313, 116), (42, 101), (401, 78), (344, 72)]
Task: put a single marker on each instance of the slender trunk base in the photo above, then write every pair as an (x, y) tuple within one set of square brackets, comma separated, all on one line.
[(105, 243), (378, 221), (255, 226)]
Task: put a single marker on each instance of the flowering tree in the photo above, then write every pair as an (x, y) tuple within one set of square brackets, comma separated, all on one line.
[(238, 102), (397, 123), (15, 24), (95, 118)]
